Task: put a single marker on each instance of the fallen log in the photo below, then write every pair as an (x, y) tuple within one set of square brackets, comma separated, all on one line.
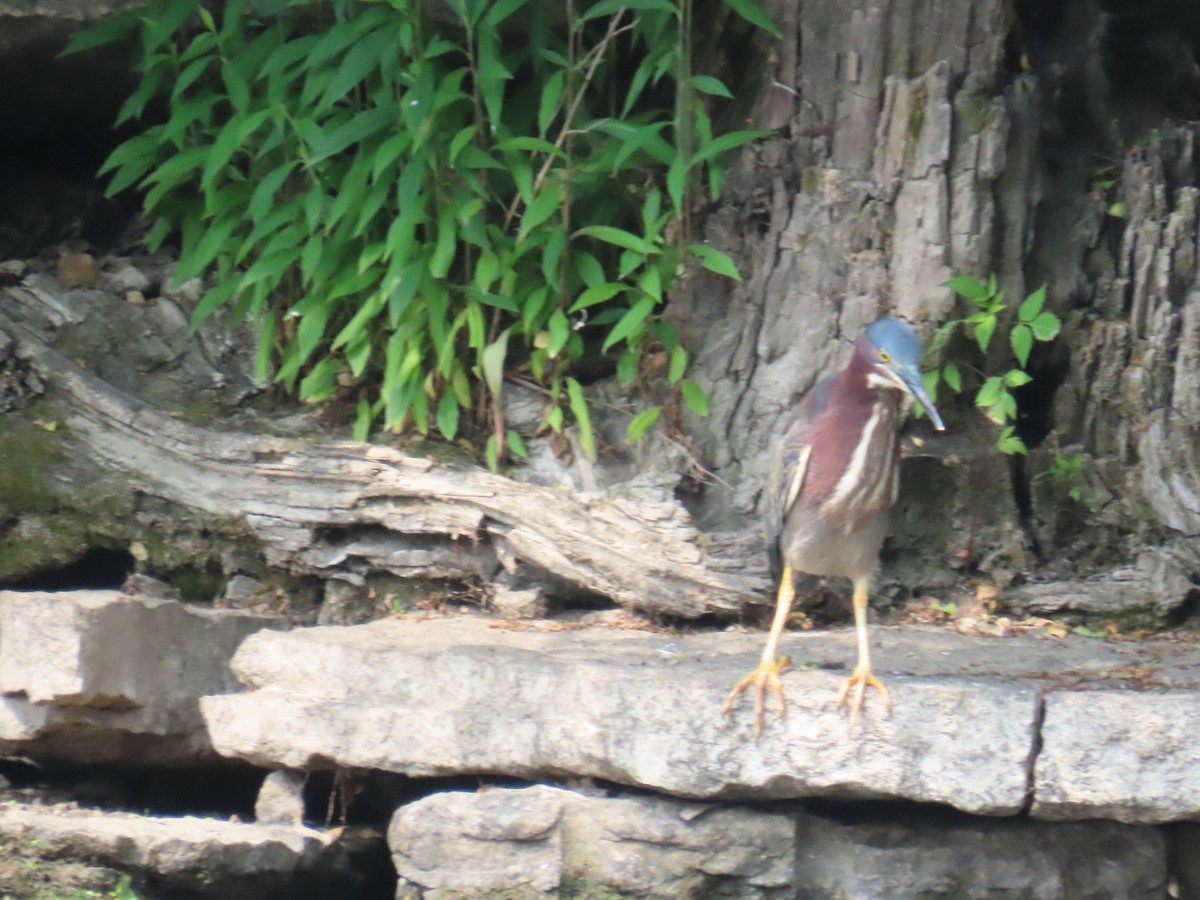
[(316, 504)]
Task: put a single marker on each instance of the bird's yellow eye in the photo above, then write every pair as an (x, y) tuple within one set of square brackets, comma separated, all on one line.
[(883, 356)]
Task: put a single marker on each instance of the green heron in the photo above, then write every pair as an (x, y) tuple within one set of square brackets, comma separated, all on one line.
[(834, 477)]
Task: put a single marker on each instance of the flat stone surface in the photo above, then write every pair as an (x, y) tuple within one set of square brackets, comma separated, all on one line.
[(1132, 756), (455, 696), (543, 841), (931, 854), (94, 676), (202, 857)]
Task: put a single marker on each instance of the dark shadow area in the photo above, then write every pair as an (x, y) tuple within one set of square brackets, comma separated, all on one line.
[(99, 568), (56, 114)]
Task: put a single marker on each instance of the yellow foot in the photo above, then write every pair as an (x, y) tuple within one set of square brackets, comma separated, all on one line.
[(860, 681), (766, 674)]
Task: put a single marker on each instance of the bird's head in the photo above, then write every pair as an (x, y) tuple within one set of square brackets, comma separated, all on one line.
[(893, 351)]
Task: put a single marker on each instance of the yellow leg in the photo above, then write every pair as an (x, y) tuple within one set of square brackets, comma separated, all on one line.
[(767, 672), (862, 677)]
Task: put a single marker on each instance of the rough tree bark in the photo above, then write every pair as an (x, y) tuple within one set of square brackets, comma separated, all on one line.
[(916, 139)]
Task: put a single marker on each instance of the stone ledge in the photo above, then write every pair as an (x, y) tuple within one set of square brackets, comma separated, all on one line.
[(197, 857), (455, 696), (543, 842), (98, 676), (464, 695)]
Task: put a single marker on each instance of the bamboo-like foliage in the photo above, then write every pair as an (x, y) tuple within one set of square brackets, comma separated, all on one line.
[(409, 205)]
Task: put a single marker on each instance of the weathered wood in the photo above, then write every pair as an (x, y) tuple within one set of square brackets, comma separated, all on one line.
[(637, 546)]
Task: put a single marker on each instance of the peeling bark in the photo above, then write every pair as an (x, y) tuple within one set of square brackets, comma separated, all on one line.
[(315, 504)]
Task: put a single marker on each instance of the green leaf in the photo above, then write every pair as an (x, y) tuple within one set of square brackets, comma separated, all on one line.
[(364, 415), (1009, 443), (952, 377), (630, 322), (753, 13), (548, 201), (597, 294), (990, 393), (641, 423), (487, 269), (1046, 326), (677, 182), (967, 286), (552, 255), (212, 301), (694, 396), (708, 85), (724, 143), (362, 58), (492, 453), (588, 267), (627, 366), (984, 331), (359, 324), (1032, 305), (447, 416), (715, 261), (492, 363), (1118, 210), (1022, 342), (107, 31), (443, 253), (529, 144), (552, 92), (320, 384), (579, 409), (619, 238), (930, 379), (355, 130), (500, 10), (215, 236), (1016, 378), (492, 74), (458, 142), (264, 193), (679, 361), (560, 330), (516, 443)]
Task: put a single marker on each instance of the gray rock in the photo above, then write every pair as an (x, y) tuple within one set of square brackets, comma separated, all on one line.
[(347, 604), (205, 857), (242, 590), (127, 277), (518, 604), (926, 856), (462, 696), (452, 845), (1159, 582), (543, 841), (1132, 757), (96, 676), (280, 800)]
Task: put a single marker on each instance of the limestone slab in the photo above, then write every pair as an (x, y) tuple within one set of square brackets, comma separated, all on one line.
[(92, 676), (544, 841), (927, 855), (203, 857), (458, 696), (1129, 756)]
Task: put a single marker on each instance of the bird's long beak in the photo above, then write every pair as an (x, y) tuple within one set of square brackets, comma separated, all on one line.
[(916, 387)]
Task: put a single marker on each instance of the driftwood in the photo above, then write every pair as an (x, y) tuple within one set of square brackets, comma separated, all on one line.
[(314, 505)]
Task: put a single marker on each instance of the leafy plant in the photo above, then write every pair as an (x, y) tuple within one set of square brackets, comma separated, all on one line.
[(412, 206), (1068, 470), (994, 395)]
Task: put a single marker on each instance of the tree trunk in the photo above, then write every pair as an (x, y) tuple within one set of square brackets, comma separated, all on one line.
[(915, 140)]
